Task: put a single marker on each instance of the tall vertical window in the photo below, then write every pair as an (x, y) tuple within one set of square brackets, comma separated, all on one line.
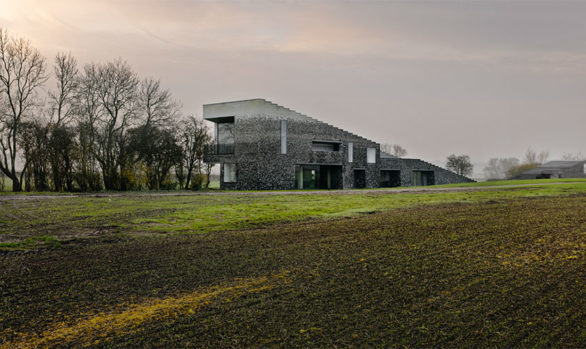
[(225, 133), (371, 155), (350, 151), (229, 173), (283, 136)]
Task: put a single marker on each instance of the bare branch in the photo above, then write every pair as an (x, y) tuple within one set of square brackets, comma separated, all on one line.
[(22, 72), (64, 98), (157, 104)]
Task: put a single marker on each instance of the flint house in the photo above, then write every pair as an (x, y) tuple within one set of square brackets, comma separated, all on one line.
[(262, 145)]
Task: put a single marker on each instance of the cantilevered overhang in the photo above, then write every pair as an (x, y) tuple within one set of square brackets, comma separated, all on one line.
[(220, 119), (217, 112)]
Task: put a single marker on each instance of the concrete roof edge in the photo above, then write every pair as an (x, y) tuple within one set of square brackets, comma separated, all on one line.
[(238, 101)]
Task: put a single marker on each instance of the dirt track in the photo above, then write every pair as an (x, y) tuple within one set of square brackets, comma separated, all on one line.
[(272, 192)]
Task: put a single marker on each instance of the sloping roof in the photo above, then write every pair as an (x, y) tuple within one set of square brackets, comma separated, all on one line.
[(253, 107), (561, 164), (553, 166)]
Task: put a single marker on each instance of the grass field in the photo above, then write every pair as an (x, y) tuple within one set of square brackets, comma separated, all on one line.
[(492, 267)]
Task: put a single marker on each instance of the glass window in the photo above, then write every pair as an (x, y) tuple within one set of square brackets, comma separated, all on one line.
[(225, 133), (390, 178), (306, 178), (229, 173), (371, 155), (283, 136), (325, 146), (309, 179), (416, 179), (350, 151)]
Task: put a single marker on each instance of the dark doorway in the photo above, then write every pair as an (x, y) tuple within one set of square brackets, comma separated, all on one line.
[(390, 178), (543, 176), (330, 177), (318, 176), (421, 178), (359, 179)]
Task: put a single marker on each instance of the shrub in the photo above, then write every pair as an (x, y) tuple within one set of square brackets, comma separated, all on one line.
[(517, 170), (199, 182)]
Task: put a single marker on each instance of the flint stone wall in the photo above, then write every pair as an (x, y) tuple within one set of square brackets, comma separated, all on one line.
[(407, 166)]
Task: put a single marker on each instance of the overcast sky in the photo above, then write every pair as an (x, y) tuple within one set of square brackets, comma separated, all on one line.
[(484, 78)]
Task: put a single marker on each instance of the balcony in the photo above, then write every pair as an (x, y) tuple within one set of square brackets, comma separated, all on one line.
[(220, 149), (214, 152)]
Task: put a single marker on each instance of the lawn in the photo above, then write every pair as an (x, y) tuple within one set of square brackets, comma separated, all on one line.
[(496, 267), (70, 218), (514, 182)]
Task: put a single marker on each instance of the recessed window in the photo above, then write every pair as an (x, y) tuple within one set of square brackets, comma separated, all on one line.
[(283, 136), (225, 133), (371, 155), (325, 146), (350, 151), (229, 173), (390, 178), (420, 178), (225, 138)]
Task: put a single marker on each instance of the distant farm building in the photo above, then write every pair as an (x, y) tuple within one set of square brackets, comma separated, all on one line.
[(556, 169), (262, 145)]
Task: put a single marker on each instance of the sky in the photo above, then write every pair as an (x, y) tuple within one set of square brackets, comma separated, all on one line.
[(483, 78)]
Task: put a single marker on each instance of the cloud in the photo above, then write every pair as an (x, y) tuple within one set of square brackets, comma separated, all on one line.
[(502, 69), (397, 30)]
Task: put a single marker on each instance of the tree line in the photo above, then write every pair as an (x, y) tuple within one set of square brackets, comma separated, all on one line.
[(505, 168), (99, 127), (501, 168)]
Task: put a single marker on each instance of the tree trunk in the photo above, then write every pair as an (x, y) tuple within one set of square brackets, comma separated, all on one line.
[(16, 187)]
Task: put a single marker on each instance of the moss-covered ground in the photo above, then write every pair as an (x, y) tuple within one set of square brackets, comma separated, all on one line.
[(497, 267), (70, 218)]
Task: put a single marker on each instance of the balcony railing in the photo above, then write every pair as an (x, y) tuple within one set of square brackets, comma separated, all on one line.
[(219, 149)]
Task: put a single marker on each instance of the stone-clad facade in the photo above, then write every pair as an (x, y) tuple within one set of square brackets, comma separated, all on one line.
[(261, 145)]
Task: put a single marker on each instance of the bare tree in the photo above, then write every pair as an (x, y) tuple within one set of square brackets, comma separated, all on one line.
[(208, 173), (34, 143), (22, 72), (498, 168), (573, 157), (460, 164), (542, 156), (63, 151), (399, 151), (492, 169), (89, 111), (157, 151), (64, 98), (193, 138), (532, 157), (63, 108), (116, 86), (394, 149), (157, 104)]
